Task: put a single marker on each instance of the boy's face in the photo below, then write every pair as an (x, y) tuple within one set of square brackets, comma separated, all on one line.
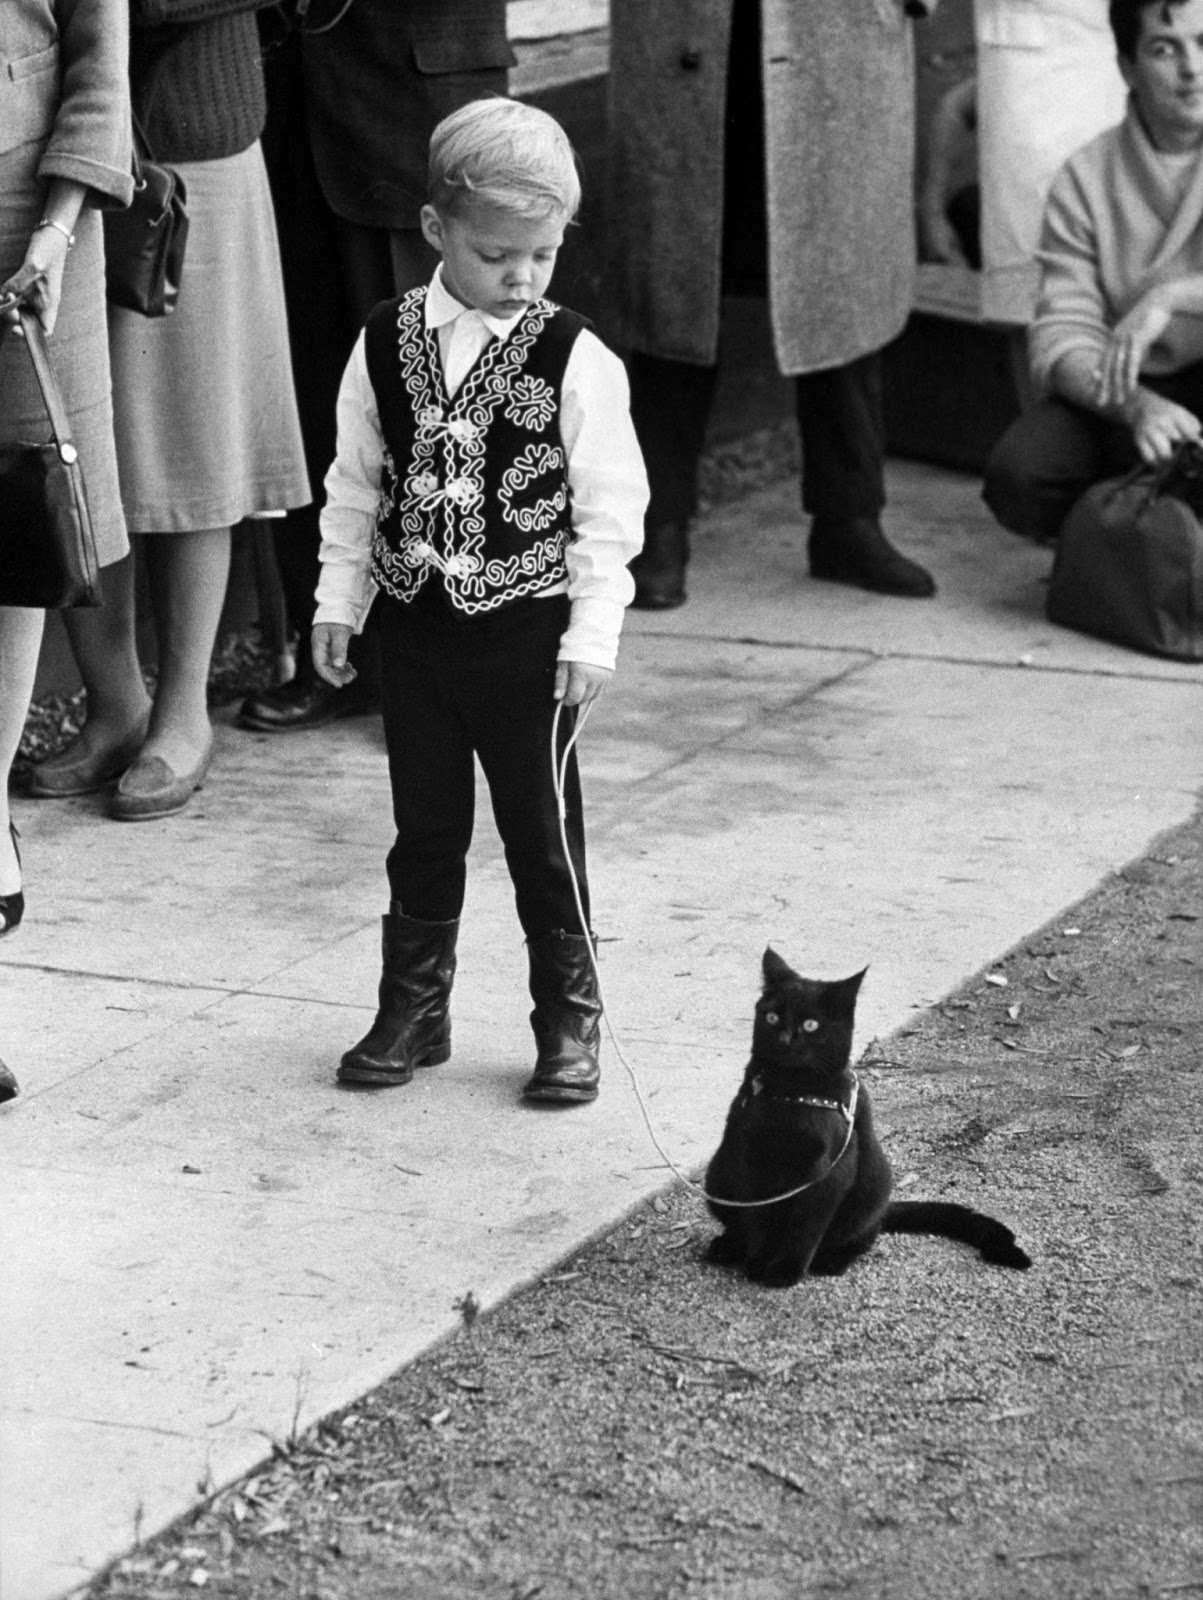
[(494, 260)]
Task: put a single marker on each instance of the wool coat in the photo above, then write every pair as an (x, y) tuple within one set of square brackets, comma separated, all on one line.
[(64, 113), (839, 156)]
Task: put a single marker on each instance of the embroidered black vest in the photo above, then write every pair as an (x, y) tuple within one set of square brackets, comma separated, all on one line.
[(475, 488)]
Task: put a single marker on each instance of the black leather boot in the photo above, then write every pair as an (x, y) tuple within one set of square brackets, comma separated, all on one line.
[(566, 1019), (659, 568), (413, 1025), (854, 550)]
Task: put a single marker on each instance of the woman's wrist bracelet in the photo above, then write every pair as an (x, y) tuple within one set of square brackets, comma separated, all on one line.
[(53, 222)]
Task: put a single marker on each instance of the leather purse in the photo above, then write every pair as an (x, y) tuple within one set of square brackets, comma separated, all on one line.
[(47, 549), (1129, 562), (144, 244)]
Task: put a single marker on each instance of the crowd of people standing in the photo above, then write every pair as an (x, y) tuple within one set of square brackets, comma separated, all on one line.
[(756, 147)]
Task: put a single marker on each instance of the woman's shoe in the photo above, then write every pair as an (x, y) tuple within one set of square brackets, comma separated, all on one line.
[(12, 906), (56, 779), (151, 789)]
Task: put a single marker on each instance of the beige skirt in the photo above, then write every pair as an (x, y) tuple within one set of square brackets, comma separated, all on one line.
[(206, 417)]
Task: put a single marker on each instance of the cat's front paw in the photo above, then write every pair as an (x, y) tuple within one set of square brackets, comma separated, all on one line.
[(776, 1274), (724, 1250)]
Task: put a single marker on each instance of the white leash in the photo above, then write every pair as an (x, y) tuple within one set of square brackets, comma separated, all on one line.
[(559, 768)]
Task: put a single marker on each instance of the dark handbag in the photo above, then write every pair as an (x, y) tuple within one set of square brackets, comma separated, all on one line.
[(47, 551), (144, 244), (1129, 562)]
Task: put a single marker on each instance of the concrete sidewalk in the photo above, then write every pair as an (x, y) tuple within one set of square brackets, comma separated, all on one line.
[(207, 1246)]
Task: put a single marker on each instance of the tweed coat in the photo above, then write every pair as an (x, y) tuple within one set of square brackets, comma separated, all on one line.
[(64, 113), (378, 81), (839, 141)]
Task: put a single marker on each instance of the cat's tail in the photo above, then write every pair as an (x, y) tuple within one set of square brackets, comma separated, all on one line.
[(995, 1242)]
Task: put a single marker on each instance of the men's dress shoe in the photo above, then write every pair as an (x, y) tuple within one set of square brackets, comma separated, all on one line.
[(56, 780), (150, 789), (659, 568), (857, 552), (304, 702)]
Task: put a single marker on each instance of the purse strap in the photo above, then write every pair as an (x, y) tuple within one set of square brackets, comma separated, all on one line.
[(52, 396)]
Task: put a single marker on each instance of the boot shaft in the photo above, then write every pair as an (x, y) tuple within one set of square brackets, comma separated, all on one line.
[(562, 975), (418, 959)]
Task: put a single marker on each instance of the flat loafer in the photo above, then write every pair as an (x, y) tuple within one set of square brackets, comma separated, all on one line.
[(150, 789), (87, 775)]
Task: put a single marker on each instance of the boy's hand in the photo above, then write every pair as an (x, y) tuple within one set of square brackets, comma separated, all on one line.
[(577, 683), (328, 645)]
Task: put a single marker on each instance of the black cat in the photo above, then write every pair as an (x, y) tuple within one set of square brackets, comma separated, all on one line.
[(801, 1121)]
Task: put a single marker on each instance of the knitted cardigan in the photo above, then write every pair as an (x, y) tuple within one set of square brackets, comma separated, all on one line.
[(196, 77), (1121, 217)]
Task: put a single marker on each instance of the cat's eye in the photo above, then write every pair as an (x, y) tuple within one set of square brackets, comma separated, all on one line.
[(772, 1018), (810, 1026)]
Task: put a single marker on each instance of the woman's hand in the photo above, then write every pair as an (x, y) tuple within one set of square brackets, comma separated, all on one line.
[(37, 283), (577, 683)]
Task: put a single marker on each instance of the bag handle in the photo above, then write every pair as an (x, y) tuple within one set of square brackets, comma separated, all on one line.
[(1157, 478), (52, 397)]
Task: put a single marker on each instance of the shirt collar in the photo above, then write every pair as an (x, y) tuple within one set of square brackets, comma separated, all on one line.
[(442, 309)]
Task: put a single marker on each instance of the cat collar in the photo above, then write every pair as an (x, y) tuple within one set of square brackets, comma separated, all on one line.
[(847, 1111)]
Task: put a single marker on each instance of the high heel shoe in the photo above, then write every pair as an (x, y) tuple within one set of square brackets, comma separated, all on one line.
[(12, 906)]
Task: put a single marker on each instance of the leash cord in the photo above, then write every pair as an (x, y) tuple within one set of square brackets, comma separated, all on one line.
[(559, 769)]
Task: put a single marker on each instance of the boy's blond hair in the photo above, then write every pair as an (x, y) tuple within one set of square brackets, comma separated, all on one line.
[(503, 153)]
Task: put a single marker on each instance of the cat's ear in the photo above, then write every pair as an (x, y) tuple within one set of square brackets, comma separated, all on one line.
[(775, 970), (845, 992)]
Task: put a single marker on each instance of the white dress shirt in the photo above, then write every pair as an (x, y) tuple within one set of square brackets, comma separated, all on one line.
[(606, 480)]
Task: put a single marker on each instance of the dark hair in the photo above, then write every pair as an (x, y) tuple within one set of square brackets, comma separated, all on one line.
[(1126, 18)]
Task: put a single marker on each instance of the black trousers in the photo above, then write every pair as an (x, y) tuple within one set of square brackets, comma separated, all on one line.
[(839, 409), (455, 689), (334, 272), (840, 419), (1054, 451)]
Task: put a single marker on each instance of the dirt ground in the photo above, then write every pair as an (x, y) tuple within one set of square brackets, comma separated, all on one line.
[(640, 1426)]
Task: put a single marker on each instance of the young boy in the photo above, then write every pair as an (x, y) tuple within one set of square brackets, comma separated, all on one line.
[(488, 492)]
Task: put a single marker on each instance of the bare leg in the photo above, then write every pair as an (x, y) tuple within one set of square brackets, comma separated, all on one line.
[(107, 656), (20, 640), (188, 576)]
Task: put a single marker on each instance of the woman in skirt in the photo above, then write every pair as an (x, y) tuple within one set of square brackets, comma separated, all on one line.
[(206, 422), (64, 144)]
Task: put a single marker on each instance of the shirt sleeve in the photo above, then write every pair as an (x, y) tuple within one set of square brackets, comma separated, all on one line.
[(608, 484), (345, 590)]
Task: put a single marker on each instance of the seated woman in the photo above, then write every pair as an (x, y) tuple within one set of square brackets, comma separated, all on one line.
[(206, 422), (1117, 344)]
